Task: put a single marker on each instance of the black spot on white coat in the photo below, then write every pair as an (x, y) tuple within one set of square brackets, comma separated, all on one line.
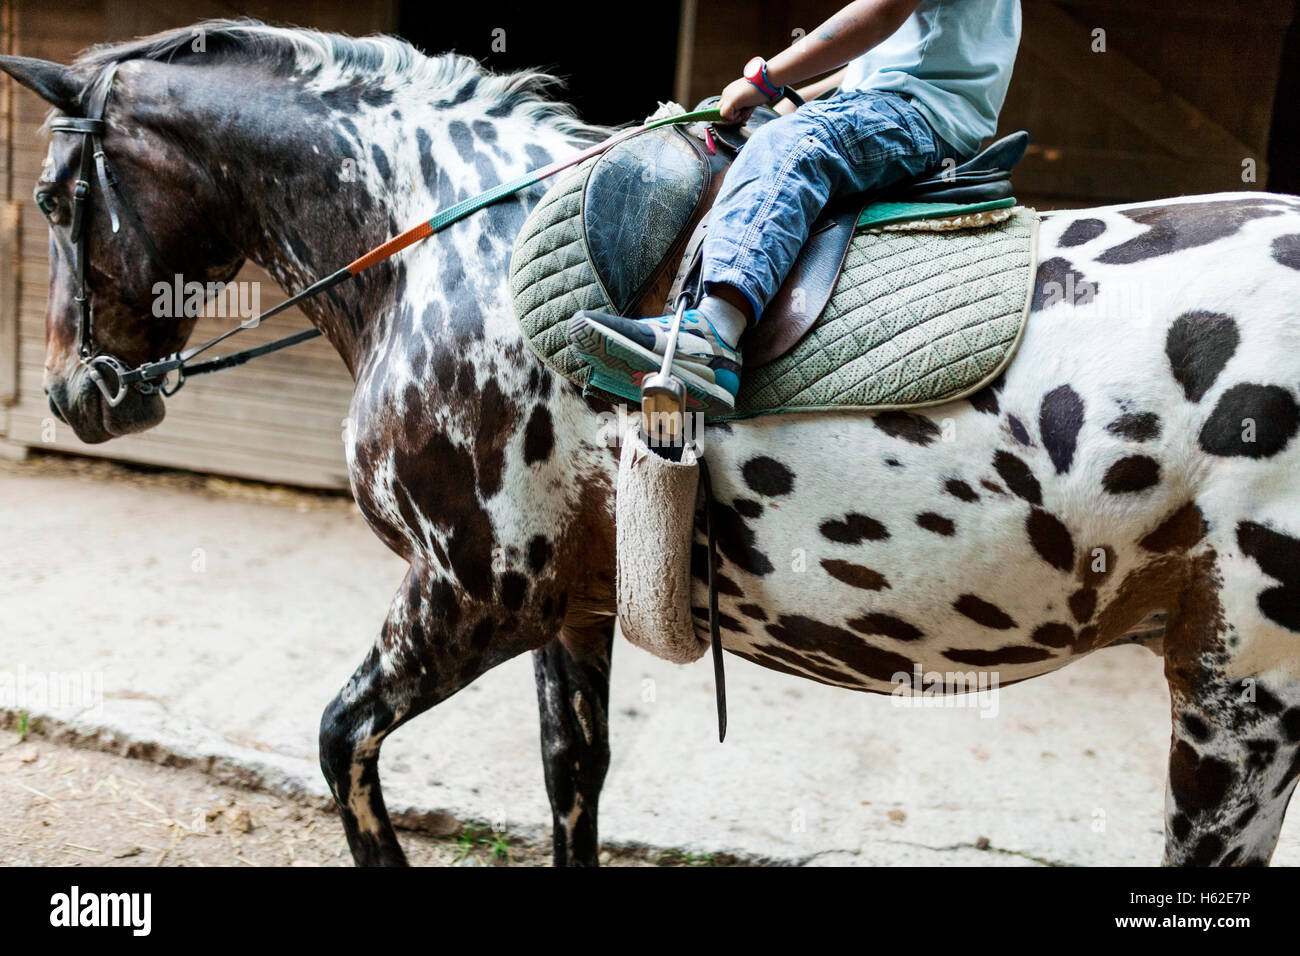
[(1081, 231), (1199, 345), (1251, 421), (1060, 417), (1178, 226), (767, 476), (539, 436), (1286, 250), (1132, 474)]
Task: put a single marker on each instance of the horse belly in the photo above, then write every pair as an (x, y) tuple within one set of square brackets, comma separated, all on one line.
[(1061, 509), (859, 557)]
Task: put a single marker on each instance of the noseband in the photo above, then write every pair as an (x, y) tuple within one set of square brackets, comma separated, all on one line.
[(153, 377)]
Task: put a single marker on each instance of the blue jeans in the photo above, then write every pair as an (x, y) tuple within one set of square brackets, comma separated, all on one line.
[(792, 166)]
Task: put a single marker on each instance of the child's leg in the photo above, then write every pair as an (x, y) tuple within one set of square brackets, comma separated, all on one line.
[(790, 169)]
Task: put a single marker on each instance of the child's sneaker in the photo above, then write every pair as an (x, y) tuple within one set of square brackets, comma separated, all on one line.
[(629, 349)]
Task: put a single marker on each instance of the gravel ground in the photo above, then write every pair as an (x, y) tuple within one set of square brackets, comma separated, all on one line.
[(64, 806)]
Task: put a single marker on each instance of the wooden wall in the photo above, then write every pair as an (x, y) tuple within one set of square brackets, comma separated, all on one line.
[(1183, 93), (278, 419)]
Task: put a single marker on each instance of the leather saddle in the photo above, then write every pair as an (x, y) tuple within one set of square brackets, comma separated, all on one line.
[(644, 218)]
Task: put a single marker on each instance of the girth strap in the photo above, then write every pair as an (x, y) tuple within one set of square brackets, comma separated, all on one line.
[(715, 632)]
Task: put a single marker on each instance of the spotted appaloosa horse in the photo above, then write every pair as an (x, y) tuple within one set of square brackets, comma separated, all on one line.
[(1132, 477)]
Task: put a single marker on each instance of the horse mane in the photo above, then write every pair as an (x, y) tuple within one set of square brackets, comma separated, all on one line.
[(378, 61)]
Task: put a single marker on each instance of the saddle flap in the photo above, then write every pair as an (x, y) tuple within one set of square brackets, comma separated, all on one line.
[(957, 192), (1003, 153), (806, 290), (641, 197)]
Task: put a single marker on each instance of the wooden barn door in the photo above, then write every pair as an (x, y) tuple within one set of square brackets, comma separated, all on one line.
[(278, 419), (1132, 101)]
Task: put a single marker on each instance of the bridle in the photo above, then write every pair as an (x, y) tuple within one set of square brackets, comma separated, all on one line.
[(91, 128), (154, 376)]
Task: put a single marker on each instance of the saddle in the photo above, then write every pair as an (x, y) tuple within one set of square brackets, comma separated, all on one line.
[(902, 298), (646, 201)]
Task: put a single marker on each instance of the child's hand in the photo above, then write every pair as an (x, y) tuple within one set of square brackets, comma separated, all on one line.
[(739, 99)]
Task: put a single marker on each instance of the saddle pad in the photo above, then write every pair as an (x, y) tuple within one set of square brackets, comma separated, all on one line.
[(552, 276), (916, 317), (880, 214)]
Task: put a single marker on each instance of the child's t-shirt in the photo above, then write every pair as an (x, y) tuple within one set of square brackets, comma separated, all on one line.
[(954, 59)]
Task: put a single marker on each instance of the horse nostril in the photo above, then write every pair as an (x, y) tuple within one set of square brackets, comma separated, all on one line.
[(55, 409)]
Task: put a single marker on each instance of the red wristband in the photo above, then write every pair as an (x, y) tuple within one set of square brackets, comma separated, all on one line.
[(756, 73)]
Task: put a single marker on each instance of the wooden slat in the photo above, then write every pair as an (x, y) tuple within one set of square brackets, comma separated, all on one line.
[(10, 231), (160, 447), (10, 218), (685, 52), (1276, 13)]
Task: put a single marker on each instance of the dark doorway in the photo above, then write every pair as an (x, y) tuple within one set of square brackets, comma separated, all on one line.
[(619, 60), (1284, 137)]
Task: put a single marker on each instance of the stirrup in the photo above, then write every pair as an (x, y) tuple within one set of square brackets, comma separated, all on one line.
[(662, 429)]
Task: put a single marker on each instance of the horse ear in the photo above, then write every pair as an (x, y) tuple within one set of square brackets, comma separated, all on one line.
[(55, 83)]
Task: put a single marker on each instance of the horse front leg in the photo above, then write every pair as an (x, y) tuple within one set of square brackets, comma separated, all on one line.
[(434, 642), (573, 696)]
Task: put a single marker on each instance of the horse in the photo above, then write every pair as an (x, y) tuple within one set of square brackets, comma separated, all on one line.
[(1131, 477)]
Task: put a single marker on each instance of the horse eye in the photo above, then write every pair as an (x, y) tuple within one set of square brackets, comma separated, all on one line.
[(47, 202)]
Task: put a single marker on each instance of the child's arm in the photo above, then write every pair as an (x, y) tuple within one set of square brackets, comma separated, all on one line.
[(848, 34)]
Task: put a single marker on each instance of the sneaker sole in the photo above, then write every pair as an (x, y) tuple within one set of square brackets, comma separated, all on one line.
[(620, 356)]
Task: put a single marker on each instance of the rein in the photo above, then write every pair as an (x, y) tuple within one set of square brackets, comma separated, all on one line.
[(150, 377)]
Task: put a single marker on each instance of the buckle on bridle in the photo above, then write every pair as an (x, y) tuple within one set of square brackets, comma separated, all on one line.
[(91, 363), (167, 388)]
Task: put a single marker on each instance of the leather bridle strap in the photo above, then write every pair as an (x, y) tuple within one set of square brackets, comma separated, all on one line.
[(90, 128)]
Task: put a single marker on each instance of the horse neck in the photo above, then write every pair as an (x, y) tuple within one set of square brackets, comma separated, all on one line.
[(342, 188)]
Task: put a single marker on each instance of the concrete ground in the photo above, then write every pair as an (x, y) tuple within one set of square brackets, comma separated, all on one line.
[(203, 622)]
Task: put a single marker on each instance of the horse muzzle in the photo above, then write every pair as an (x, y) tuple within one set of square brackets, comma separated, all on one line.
[(96, 404)]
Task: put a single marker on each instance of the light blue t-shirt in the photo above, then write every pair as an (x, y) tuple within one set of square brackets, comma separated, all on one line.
[(954, 58)]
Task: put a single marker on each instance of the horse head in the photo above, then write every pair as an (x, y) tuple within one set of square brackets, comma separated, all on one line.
[(165, 208)]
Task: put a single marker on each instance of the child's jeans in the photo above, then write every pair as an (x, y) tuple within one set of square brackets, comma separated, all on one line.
[(792, 166)]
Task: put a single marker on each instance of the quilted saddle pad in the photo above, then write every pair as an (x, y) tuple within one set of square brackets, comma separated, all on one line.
[(917, 317)]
